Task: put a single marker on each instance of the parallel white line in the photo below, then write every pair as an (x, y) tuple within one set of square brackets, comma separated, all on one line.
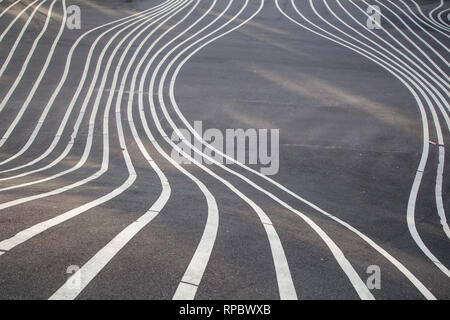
[(424, 19), (19, 37), (74, 99), (92, 121), (427, 18), (415, 33), (432, 18), (424, 117), (9, 7), (27, 234), (422, 288), (413, 14), (441, 4), (348, 269), (17, 17), (37, 82), (90, 270), (444, 80), (446, 11), (438, 194), (284, 279), (405, 271), (428, 88), (425, 22), (194, 272), (412, 69)]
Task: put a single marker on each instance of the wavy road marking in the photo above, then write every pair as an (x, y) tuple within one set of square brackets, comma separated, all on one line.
[(37, 82)]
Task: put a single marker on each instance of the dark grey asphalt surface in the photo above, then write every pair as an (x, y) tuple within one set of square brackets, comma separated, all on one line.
[(350, 142)]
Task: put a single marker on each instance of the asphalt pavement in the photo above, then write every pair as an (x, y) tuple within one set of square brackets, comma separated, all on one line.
[(94, 205)]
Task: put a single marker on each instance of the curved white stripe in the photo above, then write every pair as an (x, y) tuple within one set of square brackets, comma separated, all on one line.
[(395, 262), (15, 20), (29, 233), (438, 193), (428, 88), (19, 37), (444, 81), (432, 21), (441, 19), (422, 164), (354, 278), (9, 7), (74, 99), (41, 74), (284, 278), (445, 47), (92, 121)]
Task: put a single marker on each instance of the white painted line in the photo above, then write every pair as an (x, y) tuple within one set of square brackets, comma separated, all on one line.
[(445, 47), (82, 161), (37, 82), (97, 263), (9, 7), (19, 37), (396, 263), (57, 91), (428, 88), (17, 18), (31, 232), (185, 291), (436, 25), (348, 45), (345, 265), (446, 11), (284, 279)]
